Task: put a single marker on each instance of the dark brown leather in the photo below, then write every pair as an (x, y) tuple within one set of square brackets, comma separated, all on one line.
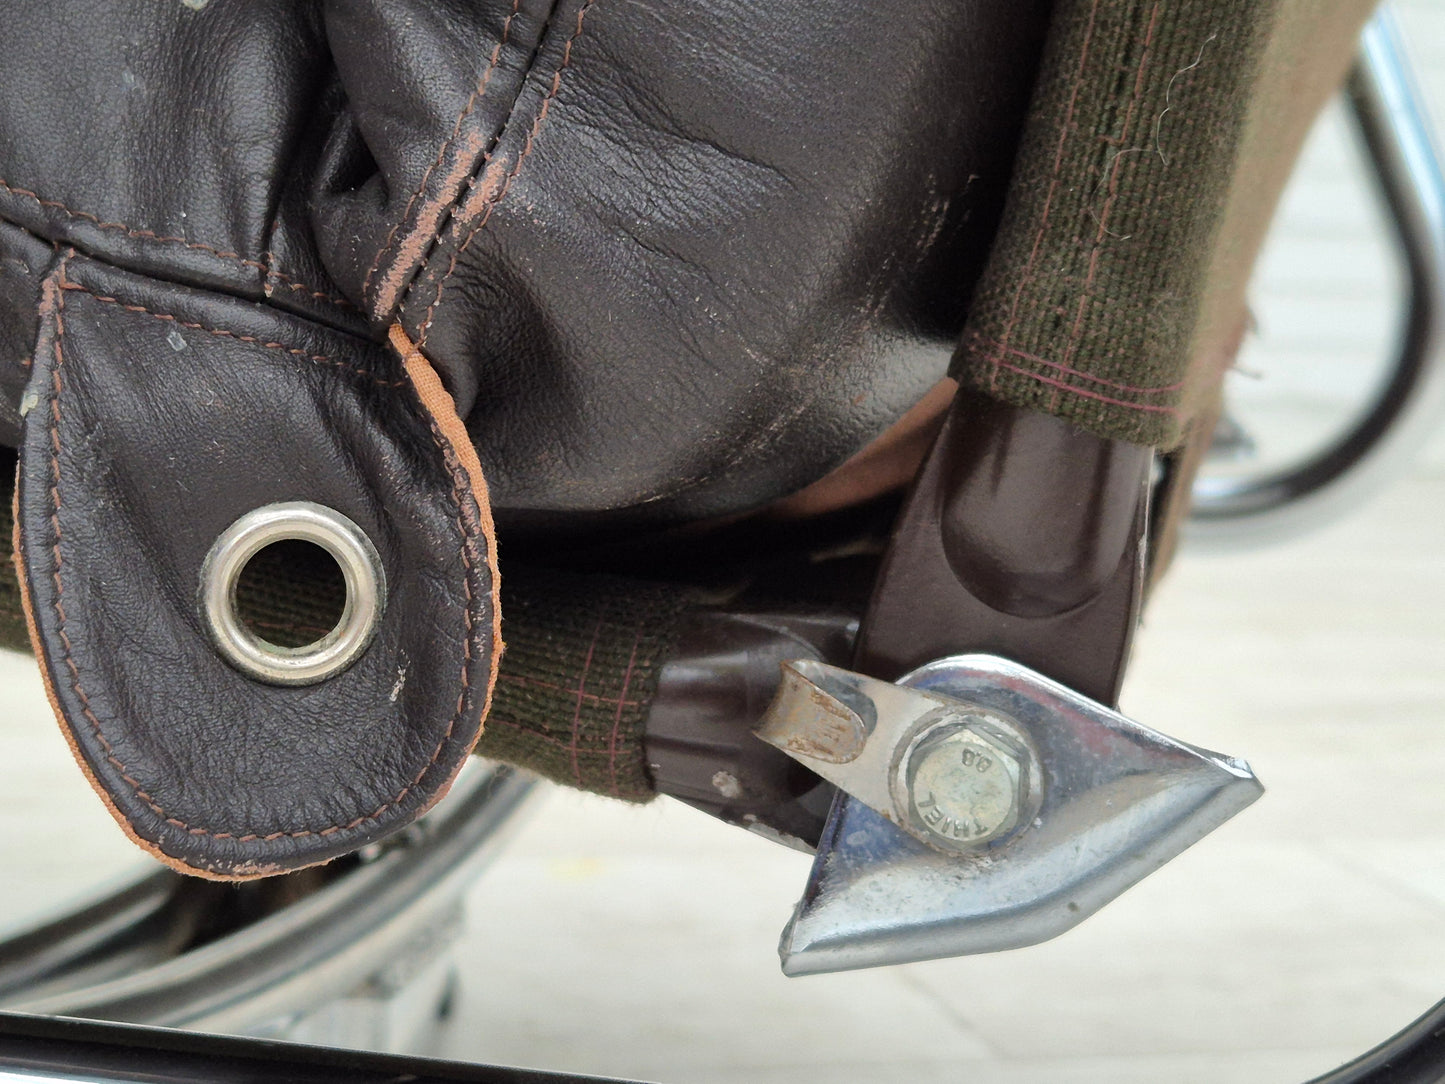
[(708, 252), (672, 261), (145, 438)]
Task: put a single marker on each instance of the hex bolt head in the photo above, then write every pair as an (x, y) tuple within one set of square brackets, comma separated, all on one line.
[(964, 780)]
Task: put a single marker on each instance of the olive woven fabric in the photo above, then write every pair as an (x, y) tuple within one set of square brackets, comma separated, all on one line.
[(1088, 306), (583, 658), (581, 666)]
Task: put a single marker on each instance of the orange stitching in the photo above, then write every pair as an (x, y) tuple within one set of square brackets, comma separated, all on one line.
[(151, 235), (300, 287), (321, 359), (319, 295), (496, 197), (59, 609), (446, 145), (468, 545)]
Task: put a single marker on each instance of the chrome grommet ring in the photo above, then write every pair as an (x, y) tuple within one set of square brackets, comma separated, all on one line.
[(299, 521)]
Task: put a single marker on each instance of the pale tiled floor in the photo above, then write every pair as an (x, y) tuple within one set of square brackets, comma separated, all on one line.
[(640, 941)]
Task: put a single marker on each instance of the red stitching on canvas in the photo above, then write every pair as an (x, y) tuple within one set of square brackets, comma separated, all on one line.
[(1026, 278), (988, 342), (1086, 294), (1151, 408), (581, 751), (581, 684), (522, 679), (617, 719)]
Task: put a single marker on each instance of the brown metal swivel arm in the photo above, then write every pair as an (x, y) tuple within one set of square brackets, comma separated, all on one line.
[(1023, 537)]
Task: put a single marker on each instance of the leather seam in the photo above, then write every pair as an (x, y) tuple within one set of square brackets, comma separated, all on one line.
[(476, 95), (67, 651), (446, 214), (320, 359), (266, 268), (496, 196)]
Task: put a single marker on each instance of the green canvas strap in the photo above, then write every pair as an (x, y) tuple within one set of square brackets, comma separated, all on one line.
[(583, 658), (1088, 307)]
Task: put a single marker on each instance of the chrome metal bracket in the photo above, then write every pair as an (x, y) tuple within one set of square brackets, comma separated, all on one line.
[(930, 852)]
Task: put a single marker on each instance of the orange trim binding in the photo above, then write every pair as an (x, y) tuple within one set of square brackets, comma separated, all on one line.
[(442, 408)]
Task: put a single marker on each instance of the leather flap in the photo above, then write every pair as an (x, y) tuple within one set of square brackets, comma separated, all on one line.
[(156, 416)]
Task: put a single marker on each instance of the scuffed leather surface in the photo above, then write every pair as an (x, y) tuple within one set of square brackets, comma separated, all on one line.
[(674, 260), (160, 415), (714, 248), (170, 140)]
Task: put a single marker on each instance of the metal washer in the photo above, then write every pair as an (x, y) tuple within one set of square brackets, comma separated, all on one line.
[(287, 521)]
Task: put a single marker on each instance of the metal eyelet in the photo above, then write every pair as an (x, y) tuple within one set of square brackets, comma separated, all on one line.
[(360, 567)]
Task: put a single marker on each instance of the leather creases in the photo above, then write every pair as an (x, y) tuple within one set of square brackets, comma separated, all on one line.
[(154, 418)]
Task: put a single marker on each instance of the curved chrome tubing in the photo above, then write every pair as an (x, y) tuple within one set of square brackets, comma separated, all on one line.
[(1398, 136), (151, 953)]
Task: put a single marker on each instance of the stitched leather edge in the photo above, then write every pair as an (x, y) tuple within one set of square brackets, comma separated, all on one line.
[(49, 303), (451, 433), (418, 246), (462, 463), (266, 268)]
